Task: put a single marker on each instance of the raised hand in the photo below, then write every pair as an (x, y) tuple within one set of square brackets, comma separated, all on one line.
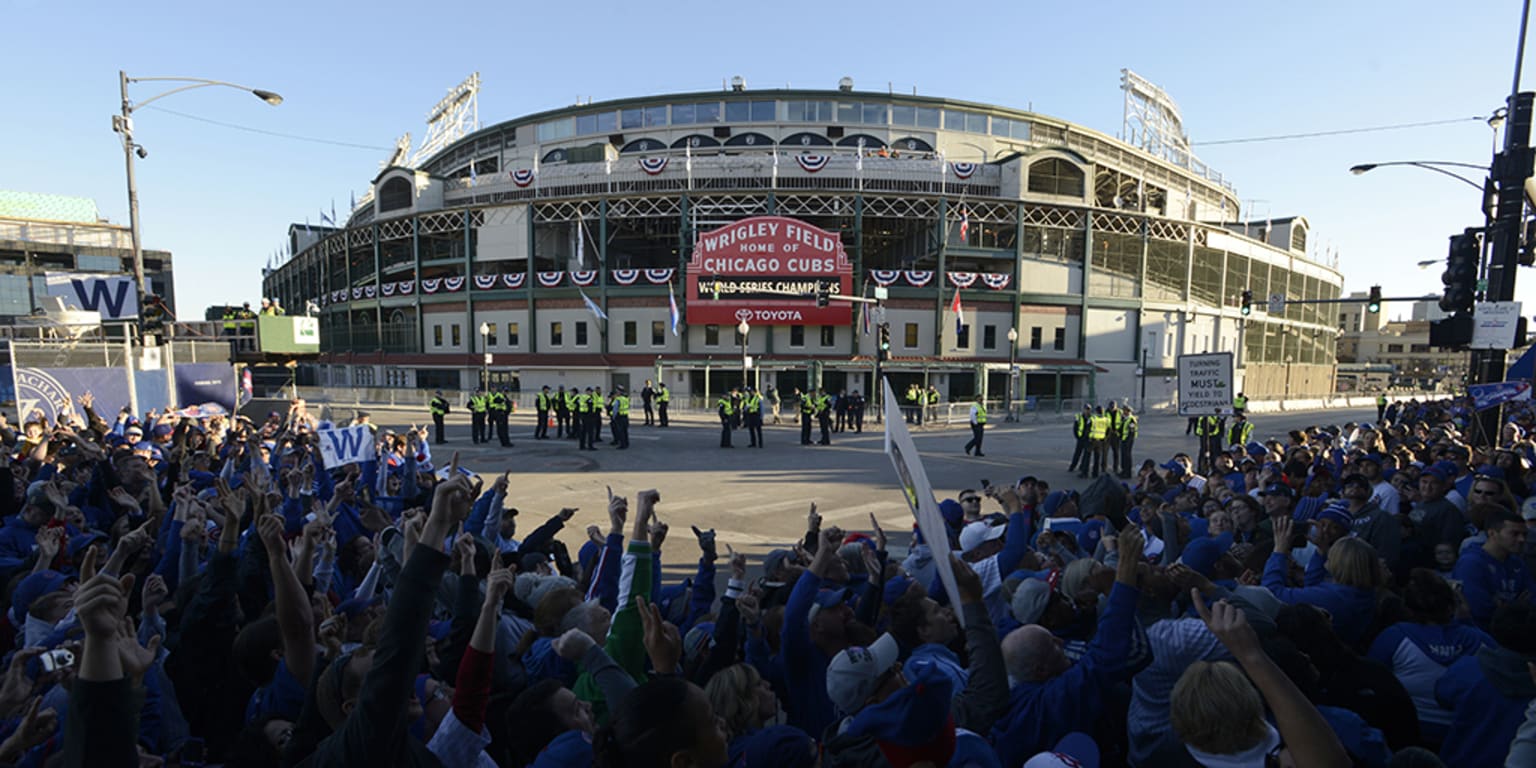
[(738, 563), (566, 513), (706, 543), (36, 727), (658, 533), (464, 555), (663, 643), (49, 542), (154, 593), (618, 512), (1230, 625), (812, 519), (1284, 527), (750, 608)]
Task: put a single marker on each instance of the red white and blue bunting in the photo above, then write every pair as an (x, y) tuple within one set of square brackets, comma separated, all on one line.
[(584, 277), (653, 165), (996, 282), (357, 293), (431, 285), (551, 279), (407, 287), (523, 177), (962, 279), (660, 276), (812, 163), (964, 170), (485, 282), (513, 280), (918, 278), (387, 289), (885, 277), (370, 291), (626, 276), (453, 284)]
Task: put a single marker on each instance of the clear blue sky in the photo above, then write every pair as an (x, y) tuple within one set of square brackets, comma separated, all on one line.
[(220, 199)]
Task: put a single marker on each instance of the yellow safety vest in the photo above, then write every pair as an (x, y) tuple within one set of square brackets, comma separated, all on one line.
[(1098, 427), (1128, 426), (725, 406), (981, 414), (623, 404), (439, 406), (477, 403), (664, 395)]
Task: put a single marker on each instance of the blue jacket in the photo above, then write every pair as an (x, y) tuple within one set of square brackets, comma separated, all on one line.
[(805, 666), (1041, 713), (1488, 694), (17, 540), (1486, 582), (1419, 655), (1353, 609)]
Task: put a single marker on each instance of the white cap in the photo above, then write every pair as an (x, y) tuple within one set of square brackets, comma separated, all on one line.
[(854, 672), (978, 533)]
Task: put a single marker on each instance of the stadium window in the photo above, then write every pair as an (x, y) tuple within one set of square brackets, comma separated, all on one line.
[(828, 335), (909, 336), (512, 334), (963, 337), (554, 130), (655, 117), (989, 337), (454, 331), (682, 114), (490, 338), (711, 335), (658, 333), (581, 333), (88, 263), (607, 122), (586, 124), (875, 114), (764, 111), (797, 335), (556, 333), (1055, 176), (707, 112), (394, 194), (928, 117), (849, 112), (1394, 349), (903, 115), (1061, 340), (631, 333), (630, 118), (954, 120), (437, 335), (738, 111), (1035, 337)]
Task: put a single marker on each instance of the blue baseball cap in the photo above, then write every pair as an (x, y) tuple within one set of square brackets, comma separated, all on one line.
[(1201, 554), (1338, 512), (1276, 489)]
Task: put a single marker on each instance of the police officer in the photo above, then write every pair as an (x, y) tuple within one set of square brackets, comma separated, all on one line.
[(978, 426), (915, 405), (1241, 431), (727, 410), (1240, 403), (1098, 431), (933, 402), (564, 400), (541, 403), (477, 409), (647, 396), (1128, 430), (856, 406), (621, 417), (1080, 432), (1208, 430), (497, 405), (841, 409), (580, 420), (752, 416), (824, 416), (663, 396), (807, 410), (1113, 439), (599, 405), (439, 409), (1381, 407)]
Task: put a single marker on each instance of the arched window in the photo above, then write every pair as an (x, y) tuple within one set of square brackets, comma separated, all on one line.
[(1299, 237), (697, 141), (805, 140), (395, 194), (1055, 176), (643, 145), (911, 144), (756, 140), (870, 142)]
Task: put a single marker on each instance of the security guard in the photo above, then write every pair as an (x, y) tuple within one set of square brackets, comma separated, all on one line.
[(663, 396), (1208, 429), (229, 321), (579, 420), (1241, 431), (727, 410), (1240, 403), (752, 416), (621, 417), (824, 416), (978, 426), (567, 418), (439, 408), (1128, 429), (1080, 432), (915, 405), (541, 403), (807, 410), (933, 402), (595, 416), (1098, 430), (496, 407), (1113, 439), (477, 409), (1381, 407)]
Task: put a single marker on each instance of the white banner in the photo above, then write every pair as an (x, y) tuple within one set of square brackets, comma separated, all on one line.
[(1205, 384), (348, 445), (114, 296), (919, 494), (1493, 324)]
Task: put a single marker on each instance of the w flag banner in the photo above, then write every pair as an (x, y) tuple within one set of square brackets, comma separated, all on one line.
[(114, 296), (1486, 396), (347, 445), (677, 317), (959, 311), (592, 305)]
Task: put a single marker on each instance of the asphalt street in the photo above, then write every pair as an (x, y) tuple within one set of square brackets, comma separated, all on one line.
[(757, 498)]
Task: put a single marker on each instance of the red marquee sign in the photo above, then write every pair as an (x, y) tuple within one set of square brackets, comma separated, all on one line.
[(766, 270)]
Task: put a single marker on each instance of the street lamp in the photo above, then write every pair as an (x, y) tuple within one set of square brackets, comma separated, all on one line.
[(743, 328), (123, 124), (1013, 352), (1428, 165), (485, 346)]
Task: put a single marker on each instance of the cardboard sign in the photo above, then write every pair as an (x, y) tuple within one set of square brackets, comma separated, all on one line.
[(919, 494)]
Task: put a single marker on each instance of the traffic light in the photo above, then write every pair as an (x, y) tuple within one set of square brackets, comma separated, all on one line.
[(823, 295), (1460, 276), (1247, 301), (1373, 304), (885, 340)]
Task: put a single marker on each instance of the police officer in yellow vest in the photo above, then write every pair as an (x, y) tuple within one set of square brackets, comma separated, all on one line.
[(1241, 431), (621, 417), (1208, 429), (1112, 441), (1098, 432), (915, 405), (663, 397), (585, 402), (807, 410), (978, 426), (752, 416), (439, 409), (497, 405), (1381, 408), (727, 410), (477, 409), (1240, 403), (595, 416), (1080, 432), (824, 416), (933, 402), (541, 405), (1128, 430), (566, 418)]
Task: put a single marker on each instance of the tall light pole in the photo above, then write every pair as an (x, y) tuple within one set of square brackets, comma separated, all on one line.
[(743, 328), (485, 364), (1013, 353), (1428, 165), (123, 124)]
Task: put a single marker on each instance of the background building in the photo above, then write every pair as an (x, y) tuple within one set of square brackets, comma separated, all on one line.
[(1371, 342), (1106, 259), (58, 233)]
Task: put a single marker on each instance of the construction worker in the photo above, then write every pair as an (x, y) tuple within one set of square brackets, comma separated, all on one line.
[(621, 417), (752, 416), (1128, 429), (439, 409), (1098, 431), (824, 416), (496, 407), (1381, 407), (1208, 430), (727, 410), (477, 409), (541, 403), (807, 410), (663, 396), (1080, 432), (1241, 431), (580, 420), (1240, 403), (978, 426)]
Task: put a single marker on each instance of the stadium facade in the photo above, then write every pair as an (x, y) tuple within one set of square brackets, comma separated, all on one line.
[(1109, 260)]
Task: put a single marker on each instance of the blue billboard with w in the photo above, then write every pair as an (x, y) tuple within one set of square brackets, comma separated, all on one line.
[(201, 388)]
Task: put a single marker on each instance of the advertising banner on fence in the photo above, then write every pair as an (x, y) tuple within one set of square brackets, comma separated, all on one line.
[(1498, 393), (766, 270), (52, 390), (201, 384), (114, 296), (1205, 384)]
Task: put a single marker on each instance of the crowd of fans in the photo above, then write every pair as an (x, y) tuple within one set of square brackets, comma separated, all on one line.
[(206, 592)]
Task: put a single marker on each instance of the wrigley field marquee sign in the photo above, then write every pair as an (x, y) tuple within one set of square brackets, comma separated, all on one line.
[(766, 270)]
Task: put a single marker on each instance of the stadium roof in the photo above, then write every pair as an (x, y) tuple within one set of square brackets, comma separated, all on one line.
[(61, 208)]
